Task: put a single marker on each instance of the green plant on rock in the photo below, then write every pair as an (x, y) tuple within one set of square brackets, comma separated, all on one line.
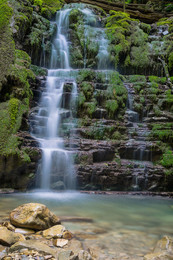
[(87, 89), (112, 107), (38, 2), (167, 159), (13, 105), (137, 78), (170, 61), (81, 99), (91, 108), (86, 75)]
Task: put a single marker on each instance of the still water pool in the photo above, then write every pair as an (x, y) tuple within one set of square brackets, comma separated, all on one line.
[(122, 227)]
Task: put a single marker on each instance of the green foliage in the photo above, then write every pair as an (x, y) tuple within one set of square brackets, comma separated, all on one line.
[(5, 14), (38, 2), (81, 99), (163, 132), (170, 61), (49, 7), (85, 75), (137, 78), (38, 71), (111, 106), (169, 99), (87, 89), (13, 107), (167, 159), (140, 56), (156, 79), (91, 108)]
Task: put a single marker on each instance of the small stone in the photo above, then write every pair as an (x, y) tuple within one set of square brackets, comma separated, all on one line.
[(60, 242), (33, 215), (67, 235)]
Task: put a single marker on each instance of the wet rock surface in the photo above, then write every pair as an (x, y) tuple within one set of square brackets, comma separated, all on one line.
[(53, 243), (34, 216)]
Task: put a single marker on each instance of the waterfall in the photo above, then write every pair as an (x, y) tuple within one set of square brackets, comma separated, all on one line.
[(56, 169), (140, 155), (58, 100)]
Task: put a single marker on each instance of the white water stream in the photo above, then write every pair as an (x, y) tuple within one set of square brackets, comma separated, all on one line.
[(56, 169)]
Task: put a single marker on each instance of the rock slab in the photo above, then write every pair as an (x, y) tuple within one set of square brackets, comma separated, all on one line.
[(8, 238), (33, 216), (34, 245)]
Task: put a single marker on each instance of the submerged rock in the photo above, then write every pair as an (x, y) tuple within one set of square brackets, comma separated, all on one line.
[(162, 251), (34, 216), (8, 238)]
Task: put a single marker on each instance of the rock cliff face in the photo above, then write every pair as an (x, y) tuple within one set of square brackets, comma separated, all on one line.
[(22, 27), (124, 138)]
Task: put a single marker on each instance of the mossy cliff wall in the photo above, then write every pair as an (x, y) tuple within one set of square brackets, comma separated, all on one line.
[(22, 27)]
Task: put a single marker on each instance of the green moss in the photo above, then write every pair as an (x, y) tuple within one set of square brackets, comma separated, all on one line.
[(38, 2), (138, 107), (91, 108), (81, 99), (161, 80), (169, 100), (145, 27), (167, 159), (38, 71), (137, 78), (50, 7), (7, 45), (170, 61), (111, 106), (87, 89), (5, 14), (13, 110), (86, 75), (163, 132), (140, 56)]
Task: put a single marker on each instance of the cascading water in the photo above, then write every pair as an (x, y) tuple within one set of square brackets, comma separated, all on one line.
[(57, 104), (56, 169), (141, 155)]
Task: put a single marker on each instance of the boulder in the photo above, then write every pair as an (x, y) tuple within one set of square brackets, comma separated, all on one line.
[(34, 216), (34, 245), (8, 238), (162, 251), (54, 232)]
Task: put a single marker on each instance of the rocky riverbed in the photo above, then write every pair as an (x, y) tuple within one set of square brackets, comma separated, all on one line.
[(32, 231)]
